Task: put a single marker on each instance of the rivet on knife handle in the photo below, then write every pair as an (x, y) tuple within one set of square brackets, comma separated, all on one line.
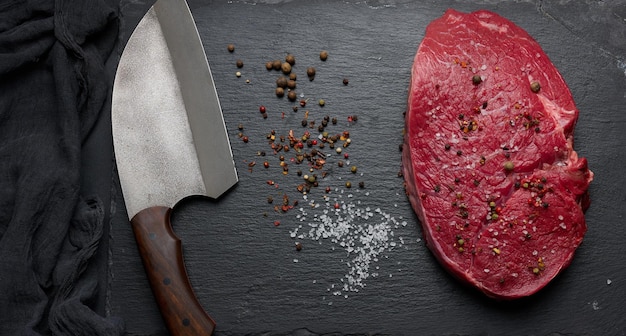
[(161, 252)]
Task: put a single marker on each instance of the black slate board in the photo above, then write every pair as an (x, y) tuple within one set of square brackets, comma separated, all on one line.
[(242, 265)]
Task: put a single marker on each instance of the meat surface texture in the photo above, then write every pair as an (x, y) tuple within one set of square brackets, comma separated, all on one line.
[(488, 157)]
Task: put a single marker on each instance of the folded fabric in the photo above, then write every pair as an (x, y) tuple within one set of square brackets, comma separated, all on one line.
[(53, 88)]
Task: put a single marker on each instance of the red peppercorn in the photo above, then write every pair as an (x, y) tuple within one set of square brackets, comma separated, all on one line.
[(262, 109), (245, 138)]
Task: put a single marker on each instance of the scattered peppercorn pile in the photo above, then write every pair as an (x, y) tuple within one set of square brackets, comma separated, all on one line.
[(306, 149)]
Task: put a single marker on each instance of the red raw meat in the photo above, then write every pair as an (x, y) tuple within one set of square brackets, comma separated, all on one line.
[(488, 158)]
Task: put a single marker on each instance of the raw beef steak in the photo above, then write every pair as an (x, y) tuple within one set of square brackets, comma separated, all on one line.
[(488, 159)]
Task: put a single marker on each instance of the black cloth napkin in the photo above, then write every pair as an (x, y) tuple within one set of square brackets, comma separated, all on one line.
[(54, 86)]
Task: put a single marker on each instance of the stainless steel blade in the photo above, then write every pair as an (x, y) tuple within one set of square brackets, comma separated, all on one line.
[(169, 134)]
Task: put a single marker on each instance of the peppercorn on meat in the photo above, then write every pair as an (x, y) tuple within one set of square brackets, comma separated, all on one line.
[(488, 157)]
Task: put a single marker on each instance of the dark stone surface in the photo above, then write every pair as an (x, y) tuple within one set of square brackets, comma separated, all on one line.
[(242, 265)]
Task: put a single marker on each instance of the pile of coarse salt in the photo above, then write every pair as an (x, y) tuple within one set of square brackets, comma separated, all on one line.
[(363, 233)]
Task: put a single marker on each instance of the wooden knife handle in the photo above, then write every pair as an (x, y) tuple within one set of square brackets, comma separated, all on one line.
[(161, 252)]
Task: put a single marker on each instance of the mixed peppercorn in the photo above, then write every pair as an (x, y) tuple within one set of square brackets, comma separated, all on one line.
[(470, 121), (306, 148)]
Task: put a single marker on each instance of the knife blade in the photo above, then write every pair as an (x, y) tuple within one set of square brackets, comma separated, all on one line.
[(170, 142)]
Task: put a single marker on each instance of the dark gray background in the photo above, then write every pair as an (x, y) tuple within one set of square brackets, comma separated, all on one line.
[(242, 266)]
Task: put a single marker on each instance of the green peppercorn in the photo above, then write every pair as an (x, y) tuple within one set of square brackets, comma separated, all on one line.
[(269, 65), (348, 184), (353, 169), (231, 47), (324, 55), (290, 59), (322, 102), (535, 87), (509, 166)]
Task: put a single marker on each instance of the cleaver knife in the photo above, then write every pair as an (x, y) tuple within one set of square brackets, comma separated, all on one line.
[(170, 142)]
